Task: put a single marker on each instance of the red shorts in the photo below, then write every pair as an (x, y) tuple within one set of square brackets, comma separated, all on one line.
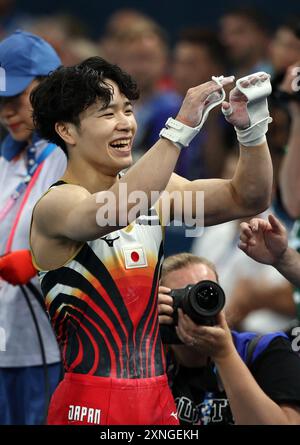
[(88, 400)]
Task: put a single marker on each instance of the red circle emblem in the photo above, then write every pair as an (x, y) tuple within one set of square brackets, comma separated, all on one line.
[(135, 256)]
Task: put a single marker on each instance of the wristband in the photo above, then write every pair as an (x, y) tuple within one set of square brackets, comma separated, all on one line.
[(178, 132), (181, 134)]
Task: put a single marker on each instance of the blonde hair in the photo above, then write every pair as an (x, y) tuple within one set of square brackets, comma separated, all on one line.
[(181, 260)]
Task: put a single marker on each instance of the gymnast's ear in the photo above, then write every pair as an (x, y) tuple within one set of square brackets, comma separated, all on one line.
[(67, 131)]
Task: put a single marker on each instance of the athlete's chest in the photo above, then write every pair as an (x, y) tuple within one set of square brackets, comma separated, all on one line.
[(136, 246)]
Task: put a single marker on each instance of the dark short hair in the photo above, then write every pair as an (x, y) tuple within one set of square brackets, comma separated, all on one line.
[(68, 91)]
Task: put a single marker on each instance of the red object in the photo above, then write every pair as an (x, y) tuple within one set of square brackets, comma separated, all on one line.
[(16, 267), (135, 257), (82, 399)]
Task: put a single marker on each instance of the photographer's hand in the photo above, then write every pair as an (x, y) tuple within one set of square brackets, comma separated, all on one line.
[(214, 341), (248, 403), (165, 305)]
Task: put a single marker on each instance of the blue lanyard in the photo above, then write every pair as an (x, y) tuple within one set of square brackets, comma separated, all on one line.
[(23, 184)]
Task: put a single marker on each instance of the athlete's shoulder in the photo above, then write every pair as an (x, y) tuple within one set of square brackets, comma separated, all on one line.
[(59, 199), (64, 190)]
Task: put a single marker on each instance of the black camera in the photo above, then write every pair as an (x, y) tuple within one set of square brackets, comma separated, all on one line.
[(201, 302)]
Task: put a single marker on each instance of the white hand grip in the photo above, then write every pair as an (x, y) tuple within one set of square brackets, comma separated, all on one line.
[(261, 90)]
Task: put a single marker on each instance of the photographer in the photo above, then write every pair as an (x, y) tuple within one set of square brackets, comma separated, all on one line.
[(208, 376)]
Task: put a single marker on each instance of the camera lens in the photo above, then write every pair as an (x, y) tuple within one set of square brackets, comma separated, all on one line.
[(203, 301), (207, 298)]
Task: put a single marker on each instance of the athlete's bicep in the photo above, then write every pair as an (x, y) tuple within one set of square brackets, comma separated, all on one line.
[(51, 213), (68, 212)]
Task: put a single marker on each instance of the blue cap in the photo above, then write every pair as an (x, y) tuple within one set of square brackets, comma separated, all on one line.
[(23, 57)]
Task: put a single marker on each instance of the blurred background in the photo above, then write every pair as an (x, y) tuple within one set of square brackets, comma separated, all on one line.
[(170, 14), (168, 47)]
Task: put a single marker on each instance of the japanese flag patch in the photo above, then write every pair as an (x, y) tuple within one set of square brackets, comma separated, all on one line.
[(134, 257)]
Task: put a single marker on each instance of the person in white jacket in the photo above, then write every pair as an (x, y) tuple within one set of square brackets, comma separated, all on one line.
[(29, 355)]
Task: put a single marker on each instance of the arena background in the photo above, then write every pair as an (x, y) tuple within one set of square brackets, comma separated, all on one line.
[(172, 15)]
